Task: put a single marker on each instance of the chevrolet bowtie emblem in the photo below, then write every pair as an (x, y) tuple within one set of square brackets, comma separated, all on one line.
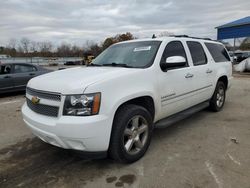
[(35, 100)]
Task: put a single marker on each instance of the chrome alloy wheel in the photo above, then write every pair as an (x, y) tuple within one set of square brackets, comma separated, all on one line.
[(220, 97), (135, 135)]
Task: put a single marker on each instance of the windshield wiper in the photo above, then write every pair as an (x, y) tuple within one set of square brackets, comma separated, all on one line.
[(117, 65), (92, 64)]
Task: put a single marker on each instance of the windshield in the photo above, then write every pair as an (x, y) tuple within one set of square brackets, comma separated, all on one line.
[(133, 54)]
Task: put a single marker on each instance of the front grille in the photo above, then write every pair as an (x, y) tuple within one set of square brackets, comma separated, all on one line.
[(43, 94), (43, 109)]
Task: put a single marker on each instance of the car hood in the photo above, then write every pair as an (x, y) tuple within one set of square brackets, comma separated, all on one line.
[(75, 80)]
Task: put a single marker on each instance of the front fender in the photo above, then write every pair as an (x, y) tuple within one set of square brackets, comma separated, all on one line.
[(131, 97), (116, 92)]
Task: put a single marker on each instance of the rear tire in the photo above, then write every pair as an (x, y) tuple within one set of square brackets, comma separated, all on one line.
[(131, 134), (218, 99)]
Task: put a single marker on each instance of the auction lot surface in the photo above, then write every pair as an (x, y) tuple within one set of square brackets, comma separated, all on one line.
[(205, 150)]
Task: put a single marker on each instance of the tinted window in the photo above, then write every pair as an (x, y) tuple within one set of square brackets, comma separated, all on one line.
[(24, 68), (218, 52), (197, 53), (246, 55), (5, 69), (174, 48)]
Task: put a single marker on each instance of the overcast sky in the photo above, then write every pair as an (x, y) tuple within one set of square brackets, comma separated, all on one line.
[(76, 21)]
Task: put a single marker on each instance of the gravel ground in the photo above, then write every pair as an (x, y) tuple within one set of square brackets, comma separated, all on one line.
[(206, 150)]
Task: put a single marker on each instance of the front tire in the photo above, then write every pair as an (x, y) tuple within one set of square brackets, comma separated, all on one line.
[(131, 134), (219, 96)]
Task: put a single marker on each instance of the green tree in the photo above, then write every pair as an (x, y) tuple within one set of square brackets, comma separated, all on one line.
[(108, 42), (245, 45), (1, 49), (124, 37), (118, 38)]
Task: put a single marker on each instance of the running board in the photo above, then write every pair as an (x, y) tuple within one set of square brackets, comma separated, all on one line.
[(181, 115)]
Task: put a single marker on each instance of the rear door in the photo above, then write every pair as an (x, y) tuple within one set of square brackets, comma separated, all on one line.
[(203, 72), (22, 74), (220, 61), (6, 78)]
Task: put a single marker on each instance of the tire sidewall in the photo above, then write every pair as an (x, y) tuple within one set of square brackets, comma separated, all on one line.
[(121, 120), (214, 99)]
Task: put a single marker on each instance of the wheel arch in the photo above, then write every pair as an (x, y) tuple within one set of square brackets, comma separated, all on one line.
[(223, 79), (145, 101)]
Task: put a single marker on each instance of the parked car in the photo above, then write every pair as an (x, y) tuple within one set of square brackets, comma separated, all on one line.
[(74, 63), (15, 76), (240, 56), (112, 105), (243, 66)]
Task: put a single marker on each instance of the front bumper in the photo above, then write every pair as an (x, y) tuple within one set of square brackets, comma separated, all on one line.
[(89, 133)]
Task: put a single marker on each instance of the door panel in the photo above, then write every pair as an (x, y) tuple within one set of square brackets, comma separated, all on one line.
[(202, 84), (23, 73), (6, 78), (203, 72), (6, 82), (176, 90)]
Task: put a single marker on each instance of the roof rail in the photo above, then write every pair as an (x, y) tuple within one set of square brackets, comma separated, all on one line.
[(186, 36), (200, 38)]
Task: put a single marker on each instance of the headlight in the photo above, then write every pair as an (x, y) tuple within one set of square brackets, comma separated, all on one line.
[(82, 105)]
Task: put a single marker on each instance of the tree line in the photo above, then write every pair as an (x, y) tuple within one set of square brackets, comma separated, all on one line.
[(29, 48), (245, 45)]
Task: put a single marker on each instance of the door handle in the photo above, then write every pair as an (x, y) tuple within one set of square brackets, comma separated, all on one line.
[(32, 74), (188, 75), (7, 77), (209, 71)]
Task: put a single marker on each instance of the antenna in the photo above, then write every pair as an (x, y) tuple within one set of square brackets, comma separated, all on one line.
[(153, 37)]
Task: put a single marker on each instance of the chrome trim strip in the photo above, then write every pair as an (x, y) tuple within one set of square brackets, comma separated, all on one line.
[(166, 96), (44, 94), (187, 93), (45, 101), (20, 86), (5, 88), (13, 87)]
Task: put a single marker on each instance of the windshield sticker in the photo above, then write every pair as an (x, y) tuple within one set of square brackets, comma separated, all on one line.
[(144, 48)]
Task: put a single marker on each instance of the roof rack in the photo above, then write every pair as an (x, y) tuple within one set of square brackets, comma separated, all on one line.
[(186, 36)]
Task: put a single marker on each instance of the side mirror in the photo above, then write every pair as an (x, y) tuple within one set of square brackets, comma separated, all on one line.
[(174, 61), (177, 60)]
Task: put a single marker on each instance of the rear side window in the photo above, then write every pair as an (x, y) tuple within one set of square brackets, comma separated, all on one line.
[(24, 68), (218, 52), (197, 53)]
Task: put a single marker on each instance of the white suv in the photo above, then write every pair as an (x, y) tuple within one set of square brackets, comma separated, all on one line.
[(111, 106)]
